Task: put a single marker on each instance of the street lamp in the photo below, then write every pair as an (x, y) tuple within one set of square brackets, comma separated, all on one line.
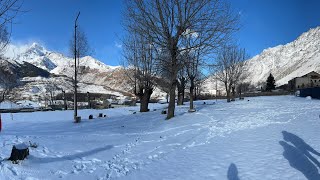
[(75, 71)]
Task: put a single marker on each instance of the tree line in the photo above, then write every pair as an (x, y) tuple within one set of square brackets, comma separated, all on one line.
[(171, 45), (178, 41)]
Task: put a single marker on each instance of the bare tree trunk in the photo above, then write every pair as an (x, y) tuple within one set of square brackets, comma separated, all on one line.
[(144, 100), (181, 88), (233, 94), (195, 93), (240, 91), (173, 75), (64, 100), (180, 99), (191, 94), (228, 93), (171, 106), (51, 97)]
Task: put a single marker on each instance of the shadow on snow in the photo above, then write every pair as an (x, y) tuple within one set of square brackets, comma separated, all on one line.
[(298, 153), (72, 156), (233, 172)]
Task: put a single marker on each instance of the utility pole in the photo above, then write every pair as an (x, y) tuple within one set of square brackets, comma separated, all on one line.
[(75, 71)]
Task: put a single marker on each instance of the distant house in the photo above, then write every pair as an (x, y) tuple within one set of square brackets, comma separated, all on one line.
[(312, 79)]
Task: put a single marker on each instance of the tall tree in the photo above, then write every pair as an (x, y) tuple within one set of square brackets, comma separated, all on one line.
[(270, 83), (230, 67), (193, 71), (166, 21), (140, 59)]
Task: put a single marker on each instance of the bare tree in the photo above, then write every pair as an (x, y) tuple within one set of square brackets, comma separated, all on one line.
[(199, 81), (242, 88), (82, 45), (165, 22), (82, 49), (9, 9), (52, 88), (4, 39), (140, 58), (230, 68), (192, 63)]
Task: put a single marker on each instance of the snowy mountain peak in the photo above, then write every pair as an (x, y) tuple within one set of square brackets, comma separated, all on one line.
[(36, 46), (51, 61), (35, 49)]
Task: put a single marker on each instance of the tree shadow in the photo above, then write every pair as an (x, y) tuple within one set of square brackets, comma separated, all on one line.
[(72, 156), (233, 172), (299, 157)]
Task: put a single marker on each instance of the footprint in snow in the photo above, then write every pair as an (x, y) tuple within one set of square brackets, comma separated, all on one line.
[(13, 170)]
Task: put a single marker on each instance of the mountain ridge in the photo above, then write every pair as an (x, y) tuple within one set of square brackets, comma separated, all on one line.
[(285, 62)]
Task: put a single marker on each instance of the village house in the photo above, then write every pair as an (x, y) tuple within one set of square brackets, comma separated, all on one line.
[(312, 79)]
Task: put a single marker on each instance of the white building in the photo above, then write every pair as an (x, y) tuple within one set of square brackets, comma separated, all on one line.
[(312, 79)]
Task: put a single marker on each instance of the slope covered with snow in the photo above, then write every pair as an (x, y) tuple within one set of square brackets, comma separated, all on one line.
[(51, 61), (264, 138), (94, 76), (287, 61)]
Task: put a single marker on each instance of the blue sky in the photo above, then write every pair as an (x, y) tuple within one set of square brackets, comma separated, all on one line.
[(265, 23), (268, 23)]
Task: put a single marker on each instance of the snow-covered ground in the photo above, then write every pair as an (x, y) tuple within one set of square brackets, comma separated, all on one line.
[(264, 138)]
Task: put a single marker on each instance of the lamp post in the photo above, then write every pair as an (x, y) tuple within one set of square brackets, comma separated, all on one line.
[(75, 71)]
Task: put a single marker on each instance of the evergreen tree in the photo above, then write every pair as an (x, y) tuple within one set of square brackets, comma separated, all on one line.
[(270, 83)]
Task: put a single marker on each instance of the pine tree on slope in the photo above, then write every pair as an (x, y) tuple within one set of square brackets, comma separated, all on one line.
[(270, 83)]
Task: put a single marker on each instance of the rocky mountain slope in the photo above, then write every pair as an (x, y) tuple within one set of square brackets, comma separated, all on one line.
[(45, 71), (40, 71), (285, 62)]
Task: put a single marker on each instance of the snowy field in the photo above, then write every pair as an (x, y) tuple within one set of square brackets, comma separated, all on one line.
[(264, 138)]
